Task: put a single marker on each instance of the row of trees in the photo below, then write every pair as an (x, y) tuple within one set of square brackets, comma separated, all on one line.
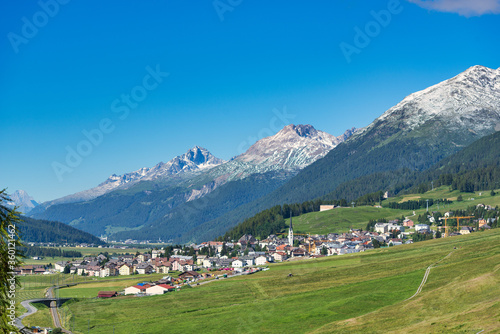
[(31, 251)]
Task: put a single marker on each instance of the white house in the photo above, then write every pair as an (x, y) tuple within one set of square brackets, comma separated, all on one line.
[(133, 290), (59, 266), (419, 228), (159, 289), (280, 256), (261, 260), (207, 263), (380, 227), (239, 263)]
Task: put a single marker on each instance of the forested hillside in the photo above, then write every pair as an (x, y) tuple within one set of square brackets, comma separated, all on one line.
[(35, 230)]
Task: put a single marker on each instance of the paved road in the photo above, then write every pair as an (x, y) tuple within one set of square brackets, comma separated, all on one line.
[(30, 310), (56, 319)]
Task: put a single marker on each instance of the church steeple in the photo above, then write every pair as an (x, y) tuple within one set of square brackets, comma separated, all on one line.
[(290, 231)]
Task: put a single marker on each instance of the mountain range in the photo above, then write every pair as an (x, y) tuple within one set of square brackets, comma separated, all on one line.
[(170, 193), (197, 196)]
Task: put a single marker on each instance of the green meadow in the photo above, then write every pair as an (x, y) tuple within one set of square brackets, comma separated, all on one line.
[(342, 219), (363, 292)]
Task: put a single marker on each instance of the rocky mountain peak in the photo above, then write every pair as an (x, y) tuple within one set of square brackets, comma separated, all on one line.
[(470, 99), (22, 200)]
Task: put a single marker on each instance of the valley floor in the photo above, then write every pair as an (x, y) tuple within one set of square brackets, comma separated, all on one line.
[(364, 292)]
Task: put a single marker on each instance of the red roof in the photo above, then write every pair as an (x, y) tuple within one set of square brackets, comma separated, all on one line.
[(106, 294), (142, 287), (166, 286)]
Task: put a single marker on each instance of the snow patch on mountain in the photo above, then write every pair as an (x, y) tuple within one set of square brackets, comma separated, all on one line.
[(474, 93), (195, 160), (291, 149)]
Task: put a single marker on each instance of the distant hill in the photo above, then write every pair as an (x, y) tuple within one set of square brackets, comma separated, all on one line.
[(35, 230)]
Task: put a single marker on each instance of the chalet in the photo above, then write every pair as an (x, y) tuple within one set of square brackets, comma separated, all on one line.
[(395, 242), (482, 222), (465, 230), (280, 256), (200, 258), (224, 263), (93, 270), (189, 275), (27, 270), (247, 240), (298, 252), (144, 268), (126, 269), (39, 271), (408, 223), (163, 269), (110, 270)]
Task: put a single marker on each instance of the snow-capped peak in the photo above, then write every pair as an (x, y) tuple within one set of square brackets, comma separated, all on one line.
[(194, 160), (22, 200), (469, 93)]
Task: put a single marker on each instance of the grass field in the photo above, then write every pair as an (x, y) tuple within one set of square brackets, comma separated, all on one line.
[(342, 219), (363, 292), (91, 290), (41, 318)]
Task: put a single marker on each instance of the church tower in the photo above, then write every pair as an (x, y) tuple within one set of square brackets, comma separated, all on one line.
[(290, 232)]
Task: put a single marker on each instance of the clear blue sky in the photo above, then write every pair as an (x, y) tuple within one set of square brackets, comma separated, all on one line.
[(229, 68)]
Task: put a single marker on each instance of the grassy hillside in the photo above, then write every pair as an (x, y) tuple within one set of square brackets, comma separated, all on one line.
[(364, 292), (342, 219)]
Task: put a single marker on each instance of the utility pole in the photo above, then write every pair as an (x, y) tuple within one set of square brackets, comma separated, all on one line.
[(353, 205), (427, 205)]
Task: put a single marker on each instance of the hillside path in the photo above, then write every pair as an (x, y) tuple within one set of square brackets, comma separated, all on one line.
[(426, 275)]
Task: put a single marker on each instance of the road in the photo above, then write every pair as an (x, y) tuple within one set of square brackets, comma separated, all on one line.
[(30, 310), (53, 309)]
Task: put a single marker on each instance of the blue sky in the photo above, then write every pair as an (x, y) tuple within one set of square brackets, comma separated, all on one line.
[(67, 67)]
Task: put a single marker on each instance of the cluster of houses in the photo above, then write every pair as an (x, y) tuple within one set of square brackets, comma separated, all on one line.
[(246, 252), (275, 249)]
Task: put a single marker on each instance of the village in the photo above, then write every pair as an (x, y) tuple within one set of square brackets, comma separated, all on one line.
[(214, 260)]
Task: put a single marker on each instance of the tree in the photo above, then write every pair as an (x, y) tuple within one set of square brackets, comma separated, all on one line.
[(493, 193), (460, 198), (438, 234), (324, 251), (67, 269), (245, 252), (10, 258), (57, 331)]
